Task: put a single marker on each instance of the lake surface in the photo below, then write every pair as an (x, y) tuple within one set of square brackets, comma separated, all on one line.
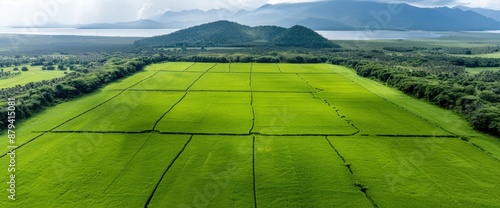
[(332, 35), (378, 35), (88, 32)]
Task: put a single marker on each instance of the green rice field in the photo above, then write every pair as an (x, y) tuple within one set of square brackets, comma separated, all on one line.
[(34, 74), (251, 135)]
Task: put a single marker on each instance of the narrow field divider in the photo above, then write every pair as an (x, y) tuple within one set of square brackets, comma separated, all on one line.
[(165, 172), (182, 98), (75, 117), (361, 187), (251, 100)]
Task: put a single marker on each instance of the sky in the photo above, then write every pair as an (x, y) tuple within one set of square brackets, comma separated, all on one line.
[(41, 12)]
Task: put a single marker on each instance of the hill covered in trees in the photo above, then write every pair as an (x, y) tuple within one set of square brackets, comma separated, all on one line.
[(225, 33)]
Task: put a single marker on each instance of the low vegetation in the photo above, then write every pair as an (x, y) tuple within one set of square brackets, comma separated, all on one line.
[(225, 144)]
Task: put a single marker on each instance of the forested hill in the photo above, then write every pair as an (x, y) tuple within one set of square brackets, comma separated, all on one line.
[(225, 33)]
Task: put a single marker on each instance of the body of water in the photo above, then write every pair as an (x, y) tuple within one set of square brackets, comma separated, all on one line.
[(88, 32), (378, 35), (332, 35)]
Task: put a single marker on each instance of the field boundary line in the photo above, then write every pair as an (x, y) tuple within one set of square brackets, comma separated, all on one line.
[(307, 83), (75, 117), (251, 100), (361, 187), (482, 149), (253, 173), (233, 72), (279, 68), (165, 172), (192, 133), (184, 96), (189, 67), (106, 101)]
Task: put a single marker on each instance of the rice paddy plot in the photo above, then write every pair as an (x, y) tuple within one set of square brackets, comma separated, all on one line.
[(367, 111), (335, 82), (34, 74), (210, 112), (169, 66), (285, 113), (130, 81), (213, 171), (54, 116), (306, 68), (265, 68), (422, 172), (223, 82), (380, 117), (200, 67), (168, 81), (279, 82), (91, 170), (303, 172), (240, 67), (131, 111), (220, 67)]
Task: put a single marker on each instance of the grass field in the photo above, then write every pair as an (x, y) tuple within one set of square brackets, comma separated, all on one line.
[(34, 74), (481, 69), (251, 135)]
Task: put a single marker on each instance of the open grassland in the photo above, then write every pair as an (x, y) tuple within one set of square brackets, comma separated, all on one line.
[(251, 135), (34, 74)]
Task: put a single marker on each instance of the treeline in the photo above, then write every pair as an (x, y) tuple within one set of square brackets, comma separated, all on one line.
[(8, 74), (248, 58), (474, 96), (35, 97)]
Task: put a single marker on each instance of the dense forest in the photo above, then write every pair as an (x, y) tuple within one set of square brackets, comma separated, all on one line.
[(231, 34)]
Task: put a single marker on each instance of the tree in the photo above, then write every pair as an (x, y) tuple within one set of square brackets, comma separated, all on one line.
[(16, 69), (61, 67), (24, 68)]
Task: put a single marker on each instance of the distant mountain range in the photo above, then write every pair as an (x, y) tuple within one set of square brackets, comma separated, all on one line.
[(330, 15), (226, 33), (494, 14)]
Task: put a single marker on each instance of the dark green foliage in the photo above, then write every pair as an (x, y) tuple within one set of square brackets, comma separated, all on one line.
[(299, 36), (225, 33)]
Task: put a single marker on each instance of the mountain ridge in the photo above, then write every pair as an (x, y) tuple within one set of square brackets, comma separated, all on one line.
[(229, 34), (332, 15)]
